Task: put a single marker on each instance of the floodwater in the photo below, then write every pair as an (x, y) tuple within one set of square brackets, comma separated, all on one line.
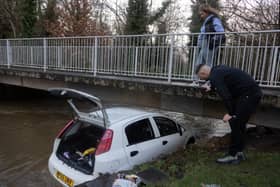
[(28, 129), (29, 126)]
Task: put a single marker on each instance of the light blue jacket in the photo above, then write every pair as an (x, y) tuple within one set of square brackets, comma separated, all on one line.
[(218, 26)]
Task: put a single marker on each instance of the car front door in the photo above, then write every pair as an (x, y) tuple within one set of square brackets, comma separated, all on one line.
[(141, 144), (170, 134)]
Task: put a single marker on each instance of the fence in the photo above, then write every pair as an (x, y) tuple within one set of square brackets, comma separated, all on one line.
[(168, 57)]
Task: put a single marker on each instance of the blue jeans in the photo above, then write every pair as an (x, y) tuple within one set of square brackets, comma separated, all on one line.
[(206, 56)]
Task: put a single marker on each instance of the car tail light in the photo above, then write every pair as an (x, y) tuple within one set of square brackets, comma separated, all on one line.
[(105, 143), (65, 128)]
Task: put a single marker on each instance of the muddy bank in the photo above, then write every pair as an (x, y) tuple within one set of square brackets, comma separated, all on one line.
[(257, 138), (196, 165)]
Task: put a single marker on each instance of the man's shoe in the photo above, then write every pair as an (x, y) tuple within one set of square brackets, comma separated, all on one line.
[(241, 156), (228, 159)]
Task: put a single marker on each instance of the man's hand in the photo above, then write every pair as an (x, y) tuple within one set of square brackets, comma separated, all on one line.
[(206, 87), (227, 117)]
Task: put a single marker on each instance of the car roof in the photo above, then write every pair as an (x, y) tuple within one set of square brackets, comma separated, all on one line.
[(120, 115), (117, 114)]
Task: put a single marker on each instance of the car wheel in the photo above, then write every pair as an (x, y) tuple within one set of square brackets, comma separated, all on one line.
[(190, 141)]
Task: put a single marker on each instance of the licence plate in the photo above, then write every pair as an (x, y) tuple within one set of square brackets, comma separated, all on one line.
[(65, 179)]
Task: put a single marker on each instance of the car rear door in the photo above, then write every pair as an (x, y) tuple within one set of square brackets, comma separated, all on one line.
[(170, 134), (85, 106), (141, 144)]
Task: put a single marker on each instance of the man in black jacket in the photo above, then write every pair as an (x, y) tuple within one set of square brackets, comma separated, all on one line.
[(241, 95)]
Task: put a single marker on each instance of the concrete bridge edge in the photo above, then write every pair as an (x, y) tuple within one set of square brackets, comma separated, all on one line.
[(160, 97)]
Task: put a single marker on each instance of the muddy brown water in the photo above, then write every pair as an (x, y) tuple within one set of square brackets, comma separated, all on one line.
[(28, 128)]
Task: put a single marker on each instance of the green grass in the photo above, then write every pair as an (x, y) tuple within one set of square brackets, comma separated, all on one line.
[(191, 167)]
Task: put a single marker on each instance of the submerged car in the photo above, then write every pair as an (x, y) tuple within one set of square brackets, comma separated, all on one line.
[(99, 140)]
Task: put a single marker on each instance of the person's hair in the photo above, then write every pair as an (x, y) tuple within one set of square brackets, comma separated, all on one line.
[(198, 68), (208, 9)]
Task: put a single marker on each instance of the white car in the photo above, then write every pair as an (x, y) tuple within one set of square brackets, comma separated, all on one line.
[(99, 141)]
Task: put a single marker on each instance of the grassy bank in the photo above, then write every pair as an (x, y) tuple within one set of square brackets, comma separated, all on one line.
[(195, 165)]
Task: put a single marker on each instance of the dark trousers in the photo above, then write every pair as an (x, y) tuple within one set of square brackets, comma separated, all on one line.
[(245, 106)]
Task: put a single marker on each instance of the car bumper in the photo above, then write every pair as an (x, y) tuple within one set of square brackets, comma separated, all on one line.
[(55, 165)]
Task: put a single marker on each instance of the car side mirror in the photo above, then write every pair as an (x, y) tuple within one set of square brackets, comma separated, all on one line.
[(180, 130)]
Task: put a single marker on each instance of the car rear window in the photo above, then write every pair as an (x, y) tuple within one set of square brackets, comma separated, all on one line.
[(166, 126), (81, 126), (139, 131)]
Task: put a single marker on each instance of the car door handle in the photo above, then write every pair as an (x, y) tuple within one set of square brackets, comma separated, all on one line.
[(164, 142), (134, 153)]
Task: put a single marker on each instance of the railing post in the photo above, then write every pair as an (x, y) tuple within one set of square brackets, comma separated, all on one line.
[(136, 61), (31, 56), (170, 63), (8, 50), (59, 58), (194, 58), (273, 68), (92, 57), (45, 54), (95, 57)]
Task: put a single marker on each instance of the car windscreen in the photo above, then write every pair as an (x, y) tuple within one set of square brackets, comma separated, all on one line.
[(81, 126)]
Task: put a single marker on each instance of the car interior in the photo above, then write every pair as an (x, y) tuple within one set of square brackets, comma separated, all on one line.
[(78, 145), (139, 131)]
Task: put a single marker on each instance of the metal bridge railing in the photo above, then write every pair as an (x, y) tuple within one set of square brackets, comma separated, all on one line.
[(168, 57)]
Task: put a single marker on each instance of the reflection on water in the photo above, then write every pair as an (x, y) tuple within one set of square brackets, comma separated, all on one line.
[(28, 129)]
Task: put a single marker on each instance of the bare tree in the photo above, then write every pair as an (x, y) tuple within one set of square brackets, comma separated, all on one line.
[(10, 14), (75, 18), (252, 15), (173, 20), (119, 12)]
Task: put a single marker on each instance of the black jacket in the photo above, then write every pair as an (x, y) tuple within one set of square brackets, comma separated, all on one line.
[(232, 83), (214, 40)]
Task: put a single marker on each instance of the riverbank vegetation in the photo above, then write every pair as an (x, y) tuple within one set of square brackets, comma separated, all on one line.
[(196, 166)]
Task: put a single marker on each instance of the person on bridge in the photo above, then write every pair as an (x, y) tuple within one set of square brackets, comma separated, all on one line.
[(208, 43), (241, 95)]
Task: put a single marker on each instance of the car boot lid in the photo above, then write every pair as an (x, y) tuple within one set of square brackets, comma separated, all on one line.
[(98, 116)]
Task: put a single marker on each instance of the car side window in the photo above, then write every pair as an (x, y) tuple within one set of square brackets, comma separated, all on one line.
[(166, 126), (139, 131)]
